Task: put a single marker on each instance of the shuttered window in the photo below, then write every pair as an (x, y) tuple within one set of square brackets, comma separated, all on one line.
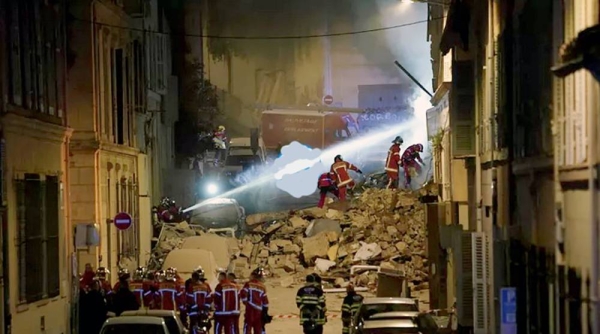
[(38, 209)]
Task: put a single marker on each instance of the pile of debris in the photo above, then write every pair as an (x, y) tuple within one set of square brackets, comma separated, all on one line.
[(381, 227), (171, 237)]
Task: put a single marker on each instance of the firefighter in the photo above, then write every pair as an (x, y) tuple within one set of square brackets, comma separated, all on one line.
[(197, 297), (102, 274), (350, 307), (151, 294), (137, 285), (392, 163), (169, 290), (236, 317), (254, 297), (323, 319), (309, 300), (220, 140), (342, 178), (409, 160), (122, 274), (87, 278), (326, 184), (227, 305)]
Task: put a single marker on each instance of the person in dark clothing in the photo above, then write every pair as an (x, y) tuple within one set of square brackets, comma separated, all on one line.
[(124, 299), (92, 309)]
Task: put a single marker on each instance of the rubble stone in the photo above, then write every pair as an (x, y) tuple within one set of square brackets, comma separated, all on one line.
[(315, 247)]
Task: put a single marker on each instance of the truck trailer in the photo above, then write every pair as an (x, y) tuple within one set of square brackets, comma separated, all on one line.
[(315, 129)]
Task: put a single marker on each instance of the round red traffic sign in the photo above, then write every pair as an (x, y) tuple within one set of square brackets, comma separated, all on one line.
[(328, 99), (122, 220)]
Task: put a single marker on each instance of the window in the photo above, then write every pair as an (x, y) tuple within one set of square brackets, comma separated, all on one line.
[(127, 194), (35, 39), (38, 201)]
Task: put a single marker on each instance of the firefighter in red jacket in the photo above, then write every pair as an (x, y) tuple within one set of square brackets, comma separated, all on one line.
[(87, 278), (409, 161), (342, 178), (169, 290), (137, 285), (151, 294), (254, 297), (392, 163), (227, 305), (197, 297), (220, 140), (102, 274), (121, 274), (326, 184)]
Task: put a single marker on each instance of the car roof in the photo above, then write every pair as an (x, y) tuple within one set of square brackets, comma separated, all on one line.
[(135, 320), (392, 323), (152, 313), (389, 300)]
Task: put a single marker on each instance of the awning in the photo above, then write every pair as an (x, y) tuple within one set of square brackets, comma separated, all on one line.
[(456, 31), (582, 52)]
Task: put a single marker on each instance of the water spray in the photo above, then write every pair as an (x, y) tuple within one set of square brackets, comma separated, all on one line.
[(352, 145)]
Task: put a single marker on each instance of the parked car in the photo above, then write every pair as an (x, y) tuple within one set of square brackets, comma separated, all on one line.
[(389, 305), (170, 317), (398, 322), (135, 325)]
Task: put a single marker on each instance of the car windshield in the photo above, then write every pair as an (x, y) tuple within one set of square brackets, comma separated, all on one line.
[(133, 329), (368, 310), (172, 325), (242, 160)]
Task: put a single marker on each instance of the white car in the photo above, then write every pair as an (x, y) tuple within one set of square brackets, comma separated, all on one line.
[(170, 317), (135, 325)]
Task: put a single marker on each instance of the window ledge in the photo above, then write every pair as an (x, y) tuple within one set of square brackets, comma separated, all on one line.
[(40, 303)]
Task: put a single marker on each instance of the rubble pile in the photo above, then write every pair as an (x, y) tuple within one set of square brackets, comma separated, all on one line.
[(381, 227), (172, 237)]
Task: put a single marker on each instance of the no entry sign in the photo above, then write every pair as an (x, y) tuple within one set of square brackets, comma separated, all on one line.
[(122, 221), (328, 99)]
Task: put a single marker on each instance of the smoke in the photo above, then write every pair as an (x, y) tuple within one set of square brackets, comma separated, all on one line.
[(298, 168), (408, 44)]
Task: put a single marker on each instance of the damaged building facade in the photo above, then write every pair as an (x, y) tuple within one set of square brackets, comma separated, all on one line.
[(525, 168), (124, 103)]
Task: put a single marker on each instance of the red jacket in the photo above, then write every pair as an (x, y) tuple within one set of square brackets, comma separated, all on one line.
[(137, 287), (325, 180), (254, 295), (152, 298), (392, 162), (227, 298), (340, 169), (169, 295), (86, 280), (107, 290), (199, 295), (410, 155)]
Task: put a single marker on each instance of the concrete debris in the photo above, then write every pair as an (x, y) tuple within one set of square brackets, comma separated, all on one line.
[(380, 227)]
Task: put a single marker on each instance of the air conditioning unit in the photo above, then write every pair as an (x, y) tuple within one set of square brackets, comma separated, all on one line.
[(472, 274)]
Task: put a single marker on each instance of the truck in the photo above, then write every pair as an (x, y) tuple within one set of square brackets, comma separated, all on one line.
[(316, 129)]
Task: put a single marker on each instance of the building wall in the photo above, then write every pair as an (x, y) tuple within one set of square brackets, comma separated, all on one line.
[(576, 133), (36, 271), (110, 170)]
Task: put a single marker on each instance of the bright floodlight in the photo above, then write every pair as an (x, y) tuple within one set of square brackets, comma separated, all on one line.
[(212, 189)]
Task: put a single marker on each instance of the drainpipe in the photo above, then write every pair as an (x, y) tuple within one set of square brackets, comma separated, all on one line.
[(593, 189)]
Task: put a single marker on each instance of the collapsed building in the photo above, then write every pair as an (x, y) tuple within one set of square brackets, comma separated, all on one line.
[(380, 227)]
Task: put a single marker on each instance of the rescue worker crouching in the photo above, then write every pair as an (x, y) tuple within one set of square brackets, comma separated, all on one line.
[(227, 305), (309, 300), (392, 163), (342, 179), (350, 307), (326, 184), (254, 297), (411, 160), (198, 300)]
